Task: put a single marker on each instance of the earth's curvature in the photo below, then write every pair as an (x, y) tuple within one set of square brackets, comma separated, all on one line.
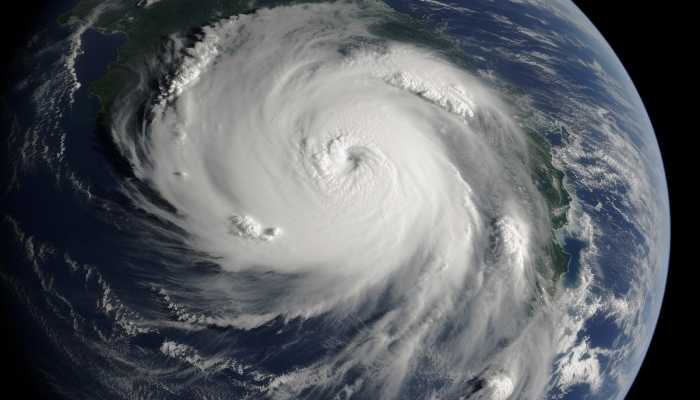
[(332, 200)]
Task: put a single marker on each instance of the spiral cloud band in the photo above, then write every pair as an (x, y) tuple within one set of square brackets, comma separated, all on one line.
[(332, 172)]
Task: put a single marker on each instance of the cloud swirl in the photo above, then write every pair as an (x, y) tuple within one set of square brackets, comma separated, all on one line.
[(373, 184)]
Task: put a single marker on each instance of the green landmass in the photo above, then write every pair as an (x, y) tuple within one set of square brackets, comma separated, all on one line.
[(550, 183), (145, 28)]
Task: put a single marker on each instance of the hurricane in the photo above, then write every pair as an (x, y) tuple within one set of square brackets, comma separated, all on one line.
[(328, 201), (393, 179)]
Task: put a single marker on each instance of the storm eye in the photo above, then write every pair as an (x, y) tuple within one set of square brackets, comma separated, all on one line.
[(353, 159)]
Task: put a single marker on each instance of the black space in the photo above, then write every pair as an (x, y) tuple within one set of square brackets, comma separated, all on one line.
[(651, 39)]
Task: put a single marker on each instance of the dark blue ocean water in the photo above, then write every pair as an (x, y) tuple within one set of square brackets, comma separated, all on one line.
[(46, 207)]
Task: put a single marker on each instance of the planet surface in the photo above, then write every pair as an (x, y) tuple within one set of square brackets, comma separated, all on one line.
[(331, 200)]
